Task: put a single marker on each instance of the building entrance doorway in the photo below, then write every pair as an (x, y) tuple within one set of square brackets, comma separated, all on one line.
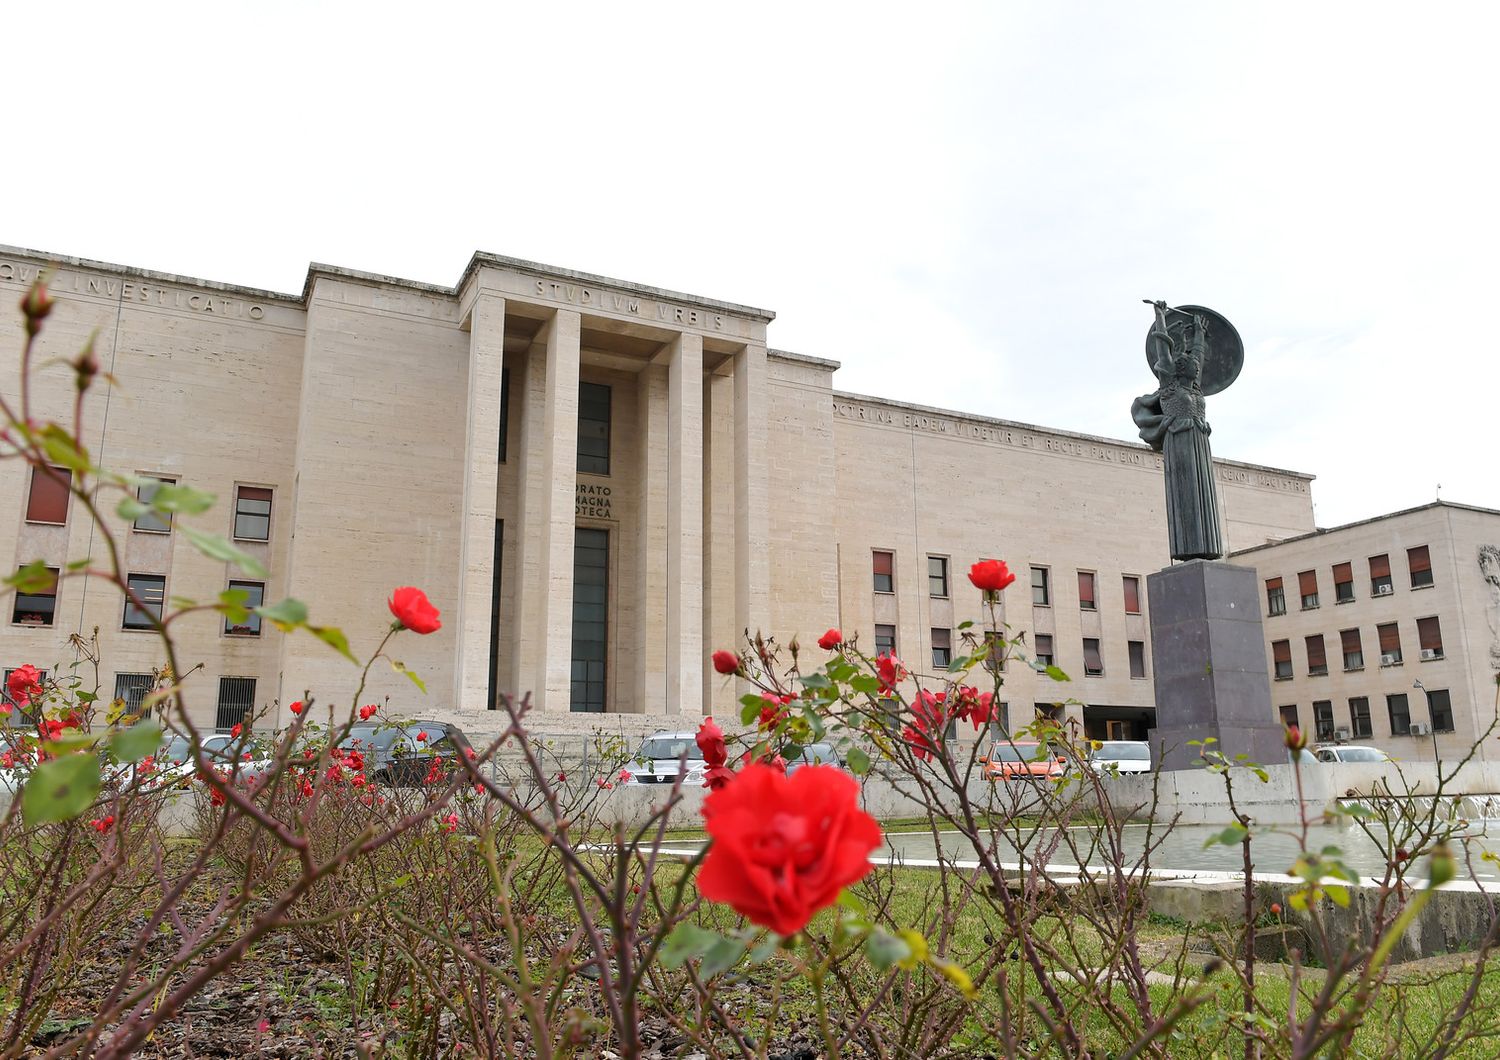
[(590, 618)]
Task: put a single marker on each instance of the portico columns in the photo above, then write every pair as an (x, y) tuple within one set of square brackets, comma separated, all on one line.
[(552, 682), (685, 526), (751, 492), (481, 467)]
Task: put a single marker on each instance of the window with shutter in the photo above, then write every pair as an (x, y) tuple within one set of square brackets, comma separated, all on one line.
[(1275, 597), (1307, 584), (1419, 563), (1093, 660), (1132, 595), (1343, 583), (1086, 590), (1390, 644), (1354, 653), (1430, 638), (1281, 654), (1317, 656), (1380, 575), (885, 566), (48, 500)]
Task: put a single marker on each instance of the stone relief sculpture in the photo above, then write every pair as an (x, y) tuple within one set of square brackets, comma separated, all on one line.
[(1489, 570), (1193, 352)]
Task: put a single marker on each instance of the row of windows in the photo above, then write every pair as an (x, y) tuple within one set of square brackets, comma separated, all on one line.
[(1093, 655), (1351, 644), (1418, 568), (1360, 724), (236, 700), (47, 502), (40, 608), (884, 570)]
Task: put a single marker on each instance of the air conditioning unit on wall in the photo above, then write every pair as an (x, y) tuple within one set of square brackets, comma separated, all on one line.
[(1383, 590), (1341, 735), (1431, 653), (1389, 660), (1419, 728)]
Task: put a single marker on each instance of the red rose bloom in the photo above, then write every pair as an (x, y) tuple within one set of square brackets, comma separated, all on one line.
[(710, 741), (890, 671), (726, 662), (25, 682), (296, 708), (784, 847), (830, 640), (367, 711), (991, 575), (414, 611)]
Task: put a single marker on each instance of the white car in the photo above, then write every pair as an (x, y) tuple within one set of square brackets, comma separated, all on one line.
[(1122, 756), (1350, 752), (662, 754)]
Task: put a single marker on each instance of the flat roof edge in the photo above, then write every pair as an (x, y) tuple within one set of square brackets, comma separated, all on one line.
[(1325, 531), (155, 276)]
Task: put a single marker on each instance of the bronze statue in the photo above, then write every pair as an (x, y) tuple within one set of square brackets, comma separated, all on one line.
[(1194, 352)]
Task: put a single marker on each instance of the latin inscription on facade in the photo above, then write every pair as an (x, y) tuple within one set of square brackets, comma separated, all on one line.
[(67, 281), (645, 308), (592, 501)]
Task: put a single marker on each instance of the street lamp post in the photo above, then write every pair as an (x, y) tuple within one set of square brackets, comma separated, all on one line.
[(1431, 728)]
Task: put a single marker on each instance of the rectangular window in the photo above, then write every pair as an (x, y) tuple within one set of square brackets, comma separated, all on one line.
[(504, 410), (152, 522), (1390, 644), (1440, 709), (1281, 655), (937, 576), (1137, 659), (1430, 638), (1307, 584), (1359, 718), (252, 513), (885, 572), (1419, 563), (1275, 597), (1132, 594), (1044, 650), (885, 639), (1343, 583), (1086, 590), (1380, 576), (152, 590), (942, 648), (1317, 657), (1354, 652), (590, 619), (1289, 715), (593, 428), (1041, 593), (1093, 660), (132, 690), (1323, 717), (236, 702), (1400, 714), (48, 500), (38, 608), (250, 626)]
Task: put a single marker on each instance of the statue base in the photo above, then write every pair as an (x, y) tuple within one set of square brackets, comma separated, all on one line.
[(1209, 652)]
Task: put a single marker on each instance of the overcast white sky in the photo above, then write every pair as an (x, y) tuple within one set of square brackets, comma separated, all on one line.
[(963, 204)]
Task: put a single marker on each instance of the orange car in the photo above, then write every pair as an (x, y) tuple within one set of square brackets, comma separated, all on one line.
[(1021, 760)]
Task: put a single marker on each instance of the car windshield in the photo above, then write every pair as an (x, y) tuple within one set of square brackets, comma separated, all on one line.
[(369, 736), (668, 748), (1361, 754), (1117, 751), (817, 752), (1009, 752)]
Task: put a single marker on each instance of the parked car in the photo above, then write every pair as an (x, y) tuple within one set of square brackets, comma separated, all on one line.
[(1122, 756), (174, 762), (1350, 752), (662, 754), (815, 754), (401, 755), (1018, 760)]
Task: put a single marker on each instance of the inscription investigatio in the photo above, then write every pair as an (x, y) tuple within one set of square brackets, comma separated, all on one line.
[(1018, 438), (66, 281)]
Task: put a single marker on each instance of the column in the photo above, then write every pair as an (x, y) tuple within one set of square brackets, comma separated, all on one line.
[(719, 630), (481, 469), (685, 526), (559, 474), (751, 491), (529, 392), (650, 693)]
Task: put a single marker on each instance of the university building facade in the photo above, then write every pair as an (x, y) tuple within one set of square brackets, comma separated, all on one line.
[(598, 482)]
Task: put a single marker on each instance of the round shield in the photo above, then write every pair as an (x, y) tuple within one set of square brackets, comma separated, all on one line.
[(1226, 353)]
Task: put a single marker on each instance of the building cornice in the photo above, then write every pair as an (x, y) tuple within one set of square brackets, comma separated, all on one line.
[(258, 294), (1327, 531)]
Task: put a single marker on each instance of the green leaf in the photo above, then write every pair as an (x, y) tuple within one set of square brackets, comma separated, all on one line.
[(1056, 674), (130, 509), (1339, 894), (400, 668), (215, 547), (847, 899), (61, 449), (61, 788), (967, 623), (765, 949), (815, 680), (232, 605), (335, 639), (749, 712), (183, 500), (840, 669), (885, 949), (723, 955), (684, 943), (868, 684), (77, 564), (136, 742), (33, 578), (1232, 836), (286, 615), (857, 761)]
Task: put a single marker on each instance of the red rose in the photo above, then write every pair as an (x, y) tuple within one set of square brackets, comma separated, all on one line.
[(25, 682), (367, 711), (726, 662), (890, 671), (991, 575), (830, 640), (717, 777), (414, 611), (296, 707), (1295, 739), (710, 741), (784, 847), (920, 741)]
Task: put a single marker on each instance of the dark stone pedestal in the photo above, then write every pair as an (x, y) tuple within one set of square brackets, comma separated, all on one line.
[(1210, 658)]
